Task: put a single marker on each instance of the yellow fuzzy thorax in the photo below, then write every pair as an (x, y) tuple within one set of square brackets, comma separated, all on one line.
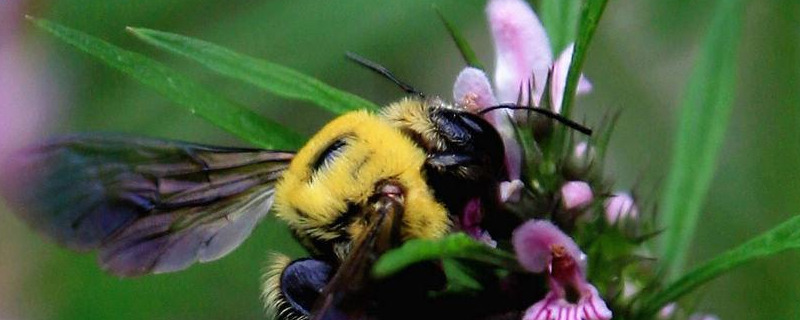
[(310, 202), (413, 114)]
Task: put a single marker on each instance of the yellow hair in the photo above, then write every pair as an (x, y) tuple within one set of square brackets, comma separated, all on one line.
[(275, 304), (412, 114), (310, 201)]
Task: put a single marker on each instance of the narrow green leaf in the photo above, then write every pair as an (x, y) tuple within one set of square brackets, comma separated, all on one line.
[(271, 77), (463, 46), (199, 100), (703, 118), (590, 16), (783, 237), (460, 277), (560, 19), (457, 246)]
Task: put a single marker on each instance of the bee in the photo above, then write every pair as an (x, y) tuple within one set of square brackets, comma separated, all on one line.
[(364, 184)]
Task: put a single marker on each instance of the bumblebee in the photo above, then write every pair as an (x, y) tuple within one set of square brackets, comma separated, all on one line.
[(362, 185)]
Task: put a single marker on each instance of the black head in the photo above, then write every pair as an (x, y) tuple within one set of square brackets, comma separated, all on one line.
[(467, 145)]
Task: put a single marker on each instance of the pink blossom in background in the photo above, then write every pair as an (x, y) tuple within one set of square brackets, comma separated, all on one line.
[(620, 207), (668, 311), (27, 103), (26, 108)]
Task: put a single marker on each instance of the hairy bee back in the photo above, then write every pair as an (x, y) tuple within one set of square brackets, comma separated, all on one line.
[(331, 178)]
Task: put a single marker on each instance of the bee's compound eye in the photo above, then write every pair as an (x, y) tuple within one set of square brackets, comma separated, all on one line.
[(302, 282), (330, 153)]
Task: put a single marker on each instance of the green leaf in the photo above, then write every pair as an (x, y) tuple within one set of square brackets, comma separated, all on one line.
[(271, 77), (457, 246), (590, 16), (463, 46), (460, 277), (703, 118), (783, 237), (560, 19), (199, 100)]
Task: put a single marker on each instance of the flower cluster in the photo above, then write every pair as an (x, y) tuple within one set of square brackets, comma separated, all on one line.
[(570, 194)]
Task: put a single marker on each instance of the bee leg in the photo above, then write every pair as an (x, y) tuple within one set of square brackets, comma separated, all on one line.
[(443, 161), (274, 303), (290, 288)]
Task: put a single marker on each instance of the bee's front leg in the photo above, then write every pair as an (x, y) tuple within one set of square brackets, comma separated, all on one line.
[(290, 288)]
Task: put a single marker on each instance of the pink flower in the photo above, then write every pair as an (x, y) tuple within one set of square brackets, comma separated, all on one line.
[(576, 195), (542, 247), (470, 223), (524, 59), (619, 208), (668, 311), (582, 158), (559, 79), (25, 113), (26, 101), (583, 152)]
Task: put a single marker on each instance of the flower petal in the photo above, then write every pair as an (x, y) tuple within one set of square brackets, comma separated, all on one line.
[(584, 152), (576, 194), (471, 218), (501, 120), (590, 307), (472, 90), (510, 191), (582, 157), (667, 311), (521, 47), (620, 207), (27, 100), (559, 80), (533, 243), (544, 309), (584, 85)]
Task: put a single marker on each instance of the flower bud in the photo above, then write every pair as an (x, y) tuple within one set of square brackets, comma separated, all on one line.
[(620, 207), (629, 289), (701, 316), (667, 311), (576, 195), (582, 157), (510, 191)]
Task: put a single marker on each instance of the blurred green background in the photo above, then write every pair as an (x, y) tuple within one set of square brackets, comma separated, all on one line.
[(638, 62)]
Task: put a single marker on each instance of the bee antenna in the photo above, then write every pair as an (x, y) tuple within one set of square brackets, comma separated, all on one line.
[(550, 114), (374, 66)]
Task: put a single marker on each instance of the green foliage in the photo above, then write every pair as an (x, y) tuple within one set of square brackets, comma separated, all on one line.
[(64, 285), (611, 249), (457, 246), (560, 19), (590, 16), (783, 237), (460, 277), (463, 45), (187, 93), (704, 116), (269, 76)]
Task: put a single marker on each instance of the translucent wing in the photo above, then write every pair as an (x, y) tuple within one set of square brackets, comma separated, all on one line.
[(147, 205)]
